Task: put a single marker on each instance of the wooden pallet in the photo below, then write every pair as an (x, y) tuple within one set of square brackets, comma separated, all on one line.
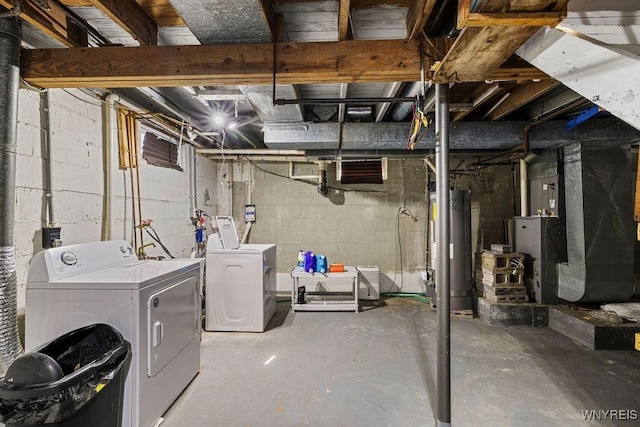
[(502, 262), (500, 290), (461, 314), (506, 298)]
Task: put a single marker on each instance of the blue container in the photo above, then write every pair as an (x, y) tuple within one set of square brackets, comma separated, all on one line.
[(309, 262), (321, 264)]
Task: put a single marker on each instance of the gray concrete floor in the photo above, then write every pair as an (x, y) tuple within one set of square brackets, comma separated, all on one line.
[(378, 368)]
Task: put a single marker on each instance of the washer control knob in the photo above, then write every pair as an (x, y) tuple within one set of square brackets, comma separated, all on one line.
[(69, 258)]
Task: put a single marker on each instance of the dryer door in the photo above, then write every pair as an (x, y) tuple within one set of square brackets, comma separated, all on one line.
[(172, 322)]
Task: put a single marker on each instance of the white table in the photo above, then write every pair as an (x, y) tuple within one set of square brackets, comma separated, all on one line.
[(325, 301)]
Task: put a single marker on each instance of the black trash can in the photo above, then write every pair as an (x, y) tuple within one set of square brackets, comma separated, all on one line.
[(75, 380)]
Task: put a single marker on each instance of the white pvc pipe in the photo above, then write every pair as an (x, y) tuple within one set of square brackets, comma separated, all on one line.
[(193, 191), (109, 141), (524, 193), (252, 152)]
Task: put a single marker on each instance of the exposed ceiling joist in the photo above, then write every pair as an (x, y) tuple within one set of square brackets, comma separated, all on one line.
[(523, 19), (53, 22), (132, 18), (381, 109), (322, 62), (486, 94), (417, 17), (343, 19), (269, 17), (161, 11), (478, 51), (305, 62), (521, 95)]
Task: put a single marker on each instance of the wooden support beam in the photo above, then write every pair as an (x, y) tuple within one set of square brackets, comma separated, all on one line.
[(161, 11), (297, 63), (479, 51), (132, 18), (269, 17), (521, 19), (53, 22), (417, 17), (486, 94), (343, 19), (522, 95)]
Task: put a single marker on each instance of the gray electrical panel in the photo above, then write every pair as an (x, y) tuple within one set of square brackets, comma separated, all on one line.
[(543, 240)]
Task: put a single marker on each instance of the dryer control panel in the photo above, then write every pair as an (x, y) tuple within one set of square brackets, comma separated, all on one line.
[(67, 261)]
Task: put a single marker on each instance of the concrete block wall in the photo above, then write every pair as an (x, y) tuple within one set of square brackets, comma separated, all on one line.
[(78, 183), (355, 227), (360, 226)]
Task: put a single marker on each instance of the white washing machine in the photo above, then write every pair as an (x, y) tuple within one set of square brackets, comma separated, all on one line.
[(241, 283), (154, 304)]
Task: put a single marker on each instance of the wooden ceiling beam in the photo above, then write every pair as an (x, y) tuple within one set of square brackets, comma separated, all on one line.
[(417, 16), (298, 63), (521, 95), (479, 51), (53, 22), (161, 11), (486, 94), (525, 19), (269, 17), (132, 18), (343, 19)]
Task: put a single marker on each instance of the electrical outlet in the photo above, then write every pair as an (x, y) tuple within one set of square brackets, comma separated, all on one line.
[(250, 213)]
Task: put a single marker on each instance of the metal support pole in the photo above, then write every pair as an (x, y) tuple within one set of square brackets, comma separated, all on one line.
[(443, 252)]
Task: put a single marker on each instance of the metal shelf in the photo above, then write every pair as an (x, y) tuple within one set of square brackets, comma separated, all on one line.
[(326, 301)]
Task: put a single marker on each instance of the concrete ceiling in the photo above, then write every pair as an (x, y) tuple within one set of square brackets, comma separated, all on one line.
[(507, 92)]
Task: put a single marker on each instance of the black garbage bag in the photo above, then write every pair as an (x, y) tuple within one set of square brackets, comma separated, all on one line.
[(94, 362)]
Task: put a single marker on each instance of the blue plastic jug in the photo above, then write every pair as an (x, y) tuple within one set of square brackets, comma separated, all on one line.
[(309, 262), (321, 264)]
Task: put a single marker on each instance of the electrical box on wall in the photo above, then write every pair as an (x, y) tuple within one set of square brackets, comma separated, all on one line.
[(250, 213), (51, 237)]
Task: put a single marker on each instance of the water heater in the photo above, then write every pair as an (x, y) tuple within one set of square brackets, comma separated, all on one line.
[(461, 283)]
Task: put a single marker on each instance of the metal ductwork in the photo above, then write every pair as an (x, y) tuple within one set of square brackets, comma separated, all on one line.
[(599, 211), (496, 135), (401, 111), (10, 346)]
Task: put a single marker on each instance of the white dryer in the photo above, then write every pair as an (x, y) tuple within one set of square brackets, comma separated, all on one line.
[(241, 283), (154, 304)]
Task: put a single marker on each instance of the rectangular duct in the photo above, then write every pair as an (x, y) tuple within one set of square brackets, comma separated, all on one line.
[(600, 234)]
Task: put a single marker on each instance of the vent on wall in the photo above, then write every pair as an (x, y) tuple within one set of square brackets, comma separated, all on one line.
[(362, 172), (160, 152)]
